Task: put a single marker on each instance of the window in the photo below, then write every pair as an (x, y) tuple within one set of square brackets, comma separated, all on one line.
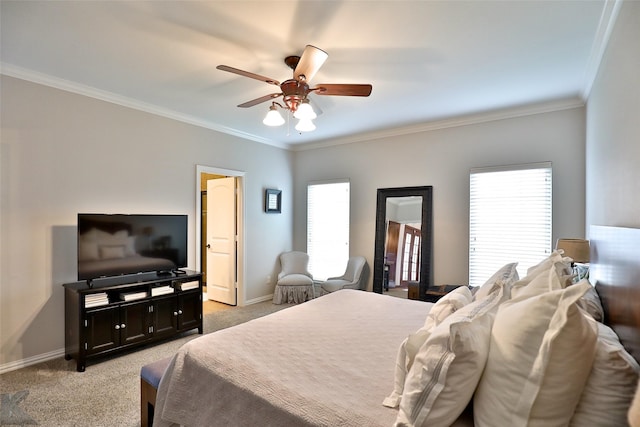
[(509, 218), (328, 228)]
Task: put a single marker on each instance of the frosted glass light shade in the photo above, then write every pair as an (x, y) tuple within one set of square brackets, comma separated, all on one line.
[(305, 125), (305, 111), (273, 118)]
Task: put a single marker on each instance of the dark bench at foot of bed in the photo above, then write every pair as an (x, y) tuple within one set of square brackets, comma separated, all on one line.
[(149, 380)]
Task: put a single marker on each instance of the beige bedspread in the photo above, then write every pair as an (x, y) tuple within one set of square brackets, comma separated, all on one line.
[(327, 362)]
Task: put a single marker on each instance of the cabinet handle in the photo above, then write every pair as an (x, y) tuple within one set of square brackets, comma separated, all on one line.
[(122, 326), (175, 313), (179, 311), (117, 326)]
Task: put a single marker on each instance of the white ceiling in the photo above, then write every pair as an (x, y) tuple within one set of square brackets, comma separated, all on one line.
[(430, 62)]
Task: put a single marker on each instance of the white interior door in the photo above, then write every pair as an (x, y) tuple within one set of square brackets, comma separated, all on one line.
[(221, 240)]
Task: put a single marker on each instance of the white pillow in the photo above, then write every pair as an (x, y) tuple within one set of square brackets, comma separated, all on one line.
[(130, 246), (546, 263), (119, 238), (553, 261), (552, 278), (541, 353), (611, 386), (634, 411), (447, 368), (591, 303), (505, 276), (446, 305), (88, 251), (111, 252), (90, 236)]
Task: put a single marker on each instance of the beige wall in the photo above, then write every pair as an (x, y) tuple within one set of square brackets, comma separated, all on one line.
[(61, 154), (64, 153), (613, 128), (443, 158)]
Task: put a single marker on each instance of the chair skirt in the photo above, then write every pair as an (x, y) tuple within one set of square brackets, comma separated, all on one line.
[(295, 294)]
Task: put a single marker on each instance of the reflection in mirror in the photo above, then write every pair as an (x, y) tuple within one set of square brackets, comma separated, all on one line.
[(402, 260), (402, 246)]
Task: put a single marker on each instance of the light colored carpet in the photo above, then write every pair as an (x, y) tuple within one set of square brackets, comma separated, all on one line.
[(108, 393), (398, 292)]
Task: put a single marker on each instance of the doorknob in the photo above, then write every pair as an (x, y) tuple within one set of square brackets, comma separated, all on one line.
[(208, 246)]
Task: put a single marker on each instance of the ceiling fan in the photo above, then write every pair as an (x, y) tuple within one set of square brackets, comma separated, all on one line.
[(295, 91)]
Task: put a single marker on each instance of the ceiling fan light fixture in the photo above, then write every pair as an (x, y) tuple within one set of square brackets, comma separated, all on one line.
[(273, 117), (305, 125), (294, 91), (305, 111)]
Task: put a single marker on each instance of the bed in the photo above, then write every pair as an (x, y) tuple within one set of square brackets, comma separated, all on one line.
[(521, 351)]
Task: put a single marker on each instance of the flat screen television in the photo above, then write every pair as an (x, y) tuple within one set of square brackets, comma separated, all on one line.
[(117, 244)]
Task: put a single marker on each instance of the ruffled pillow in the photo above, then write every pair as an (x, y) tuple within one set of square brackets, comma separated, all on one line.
[(504, 277), (448, 366), (444, 307)]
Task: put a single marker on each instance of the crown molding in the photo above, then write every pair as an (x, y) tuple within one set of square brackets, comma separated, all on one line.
[(92, 92), (605, 27), (482, 117), (472, 119)]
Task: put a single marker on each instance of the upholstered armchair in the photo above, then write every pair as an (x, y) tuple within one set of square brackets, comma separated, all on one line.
[(295, 283), (355, 276)]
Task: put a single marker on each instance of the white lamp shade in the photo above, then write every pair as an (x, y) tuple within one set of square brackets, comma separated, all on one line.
[(305, 125), (273, 118), (305, 111)]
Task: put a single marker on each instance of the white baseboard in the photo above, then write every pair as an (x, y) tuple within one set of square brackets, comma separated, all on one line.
[(23, 363), (260, 299)]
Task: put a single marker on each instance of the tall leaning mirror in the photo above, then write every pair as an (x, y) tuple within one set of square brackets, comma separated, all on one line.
[(403, 241)]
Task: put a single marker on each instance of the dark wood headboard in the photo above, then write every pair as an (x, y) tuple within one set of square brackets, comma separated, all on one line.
[(615, 272)]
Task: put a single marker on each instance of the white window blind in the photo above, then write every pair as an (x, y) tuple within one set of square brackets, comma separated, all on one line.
[(328, 228), (510, 218)]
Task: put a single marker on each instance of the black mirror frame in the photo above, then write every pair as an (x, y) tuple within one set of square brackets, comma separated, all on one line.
[(426, 272)]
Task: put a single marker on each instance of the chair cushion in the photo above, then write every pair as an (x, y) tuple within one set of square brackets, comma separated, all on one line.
[(334, 285), (152, 372), (295, 280), (294, 263)]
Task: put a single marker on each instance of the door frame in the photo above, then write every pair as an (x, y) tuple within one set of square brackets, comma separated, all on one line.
[(412, 232), (240, 220)]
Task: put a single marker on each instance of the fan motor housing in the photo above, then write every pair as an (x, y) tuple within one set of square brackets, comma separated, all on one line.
[(294, 92)]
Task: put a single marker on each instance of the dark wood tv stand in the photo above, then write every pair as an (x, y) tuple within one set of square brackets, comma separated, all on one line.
[(118, 322)]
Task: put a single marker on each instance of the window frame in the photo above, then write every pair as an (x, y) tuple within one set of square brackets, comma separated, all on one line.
[(334, 264), (526, 248)]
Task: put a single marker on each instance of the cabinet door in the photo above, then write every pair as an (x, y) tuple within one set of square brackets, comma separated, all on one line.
[(102, 333), (134, 322), (190, 310), (165, 316)]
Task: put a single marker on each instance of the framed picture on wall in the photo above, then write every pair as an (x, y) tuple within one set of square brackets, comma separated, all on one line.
[(272, 201)]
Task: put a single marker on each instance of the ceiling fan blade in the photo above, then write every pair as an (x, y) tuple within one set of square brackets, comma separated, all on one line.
[(310, 62), (259, 100), (343, 89), (248, 74)]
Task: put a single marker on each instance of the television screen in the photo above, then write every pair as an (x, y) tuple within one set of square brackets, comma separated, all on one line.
[(117, 244)]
